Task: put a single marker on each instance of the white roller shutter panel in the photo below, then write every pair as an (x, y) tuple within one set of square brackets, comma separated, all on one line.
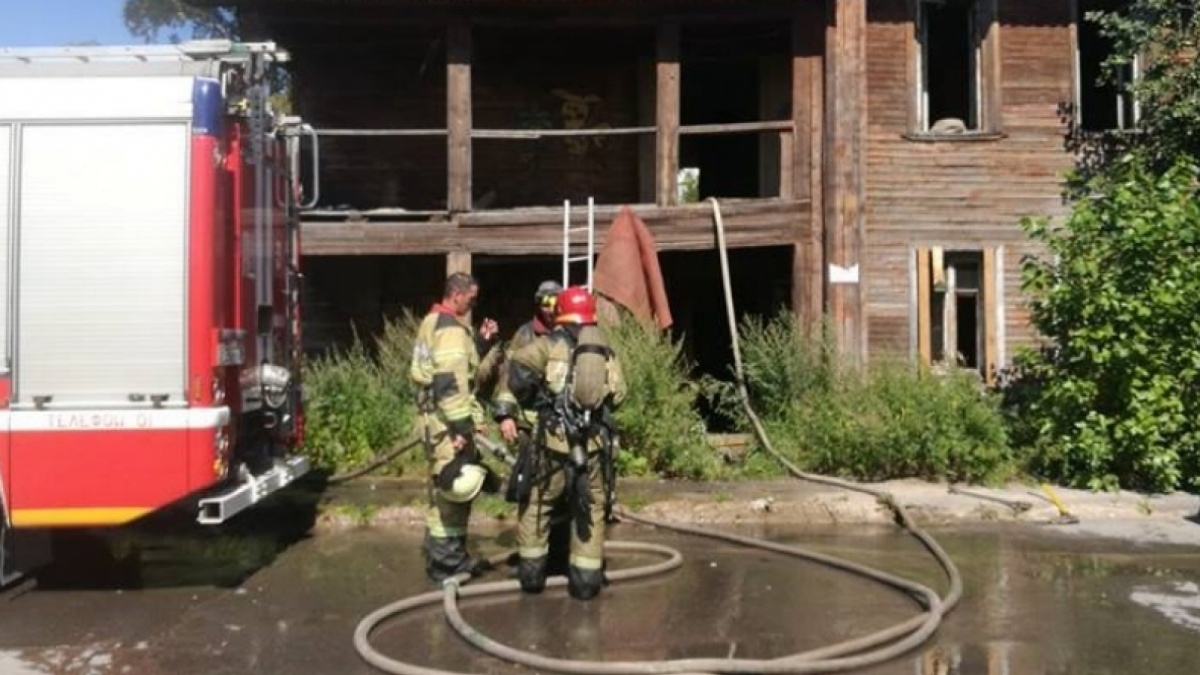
[(6, 147), (102, 244)]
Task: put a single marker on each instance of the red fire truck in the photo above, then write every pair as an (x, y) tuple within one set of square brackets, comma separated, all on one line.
[(149, 299)]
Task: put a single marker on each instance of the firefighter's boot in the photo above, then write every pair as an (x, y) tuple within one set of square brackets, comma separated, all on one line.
[(585, 584), (532, 574), (447, 556)]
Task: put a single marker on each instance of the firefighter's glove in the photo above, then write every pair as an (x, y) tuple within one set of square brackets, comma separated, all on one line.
[(469, 454)]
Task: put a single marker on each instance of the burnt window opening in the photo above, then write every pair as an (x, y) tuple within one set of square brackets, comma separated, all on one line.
[(957, 319), (950, 76), (1104, 102)]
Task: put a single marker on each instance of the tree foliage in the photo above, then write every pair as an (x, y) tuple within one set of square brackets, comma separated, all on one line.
[(1119, 400), (176, 20), (1164, 34), (1113, 398)]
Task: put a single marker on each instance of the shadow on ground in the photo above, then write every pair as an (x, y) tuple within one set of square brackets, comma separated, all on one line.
[(170, 549)]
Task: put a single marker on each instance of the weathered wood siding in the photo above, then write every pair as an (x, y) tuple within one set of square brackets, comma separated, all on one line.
[(961, 193)]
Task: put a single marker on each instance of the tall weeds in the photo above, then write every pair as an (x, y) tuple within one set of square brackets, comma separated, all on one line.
[(662, 431), (891, 420), (359, 400)]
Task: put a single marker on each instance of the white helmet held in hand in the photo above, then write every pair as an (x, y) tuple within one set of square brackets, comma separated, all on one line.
[(467, 484)]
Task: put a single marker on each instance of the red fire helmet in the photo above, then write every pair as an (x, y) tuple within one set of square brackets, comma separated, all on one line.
[(576, 305)]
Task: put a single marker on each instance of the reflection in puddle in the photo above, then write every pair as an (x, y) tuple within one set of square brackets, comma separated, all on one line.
[(11, 665), (1179, 602)]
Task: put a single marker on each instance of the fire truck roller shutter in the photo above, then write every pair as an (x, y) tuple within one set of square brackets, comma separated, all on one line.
[(101, 244), (6, 204)]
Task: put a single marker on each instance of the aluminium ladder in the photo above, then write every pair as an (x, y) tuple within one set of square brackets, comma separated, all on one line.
[(588, 257)]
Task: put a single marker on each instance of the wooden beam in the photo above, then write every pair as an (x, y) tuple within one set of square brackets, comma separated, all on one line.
[(990, 341), (913, 67), (844, 173), (990, 66), (314, 19), (458, 261), (666, 160), (924, 305), (458, 117), (805, 62), (752, 223), (808, 275)]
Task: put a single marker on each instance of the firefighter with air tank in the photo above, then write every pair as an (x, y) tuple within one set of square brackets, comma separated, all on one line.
[(573, 380)]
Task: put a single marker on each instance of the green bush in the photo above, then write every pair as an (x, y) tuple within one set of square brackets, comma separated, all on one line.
[(359, 401), (661, 430), (890, 421), (1114, 401)]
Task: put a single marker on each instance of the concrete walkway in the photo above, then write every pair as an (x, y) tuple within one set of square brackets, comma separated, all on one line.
[(1159, 519)]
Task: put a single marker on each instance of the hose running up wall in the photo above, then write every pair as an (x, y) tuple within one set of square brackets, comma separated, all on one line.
[(874, 648)]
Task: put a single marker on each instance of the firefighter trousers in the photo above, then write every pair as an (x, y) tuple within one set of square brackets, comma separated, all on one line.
[(445, 544), (550, 504)]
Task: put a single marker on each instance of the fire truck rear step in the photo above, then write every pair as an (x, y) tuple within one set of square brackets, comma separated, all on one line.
[(217, 509)]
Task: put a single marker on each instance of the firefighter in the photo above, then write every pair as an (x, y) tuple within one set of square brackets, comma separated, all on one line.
[(574, 381), (446, 354), (514, 422), (517, 425)]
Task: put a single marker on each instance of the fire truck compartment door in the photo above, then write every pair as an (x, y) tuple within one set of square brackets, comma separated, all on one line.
[(101, 243), (6, 204)]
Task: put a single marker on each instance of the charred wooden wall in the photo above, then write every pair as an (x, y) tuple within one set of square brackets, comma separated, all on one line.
[(961, 193), (374, 68), (548, 78), (361, 76)]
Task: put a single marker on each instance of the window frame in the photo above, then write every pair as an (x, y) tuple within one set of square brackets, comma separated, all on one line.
[(985, 35), (992, 338), (1077, 19)]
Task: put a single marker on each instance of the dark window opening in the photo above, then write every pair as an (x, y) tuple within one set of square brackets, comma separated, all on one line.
[(949, 63), (967, 312), (955, 324), (722, 81), (1104, 103), (718, 92)]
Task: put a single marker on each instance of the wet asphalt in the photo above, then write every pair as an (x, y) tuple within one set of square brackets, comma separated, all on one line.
[(266, 597)]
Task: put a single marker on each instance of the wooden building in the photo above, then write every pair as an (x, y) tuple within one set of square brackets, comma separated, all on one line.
[(872, 157)]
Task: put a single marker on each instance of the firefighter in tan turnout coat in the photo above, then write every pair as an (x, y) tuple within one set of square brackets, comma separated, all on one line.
[(574, 381), (446, 355)]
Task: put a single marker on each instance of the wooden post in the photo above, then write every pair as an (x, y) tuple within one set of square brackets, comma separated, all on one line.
[(666, 159), (459, 261), (924, 305), (844, 172), (808, 275), (458, 117), (987, 288)]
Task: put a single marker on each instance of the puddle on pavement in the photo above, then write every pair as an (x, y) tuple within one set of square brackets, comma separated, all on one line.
[(1034, 603)]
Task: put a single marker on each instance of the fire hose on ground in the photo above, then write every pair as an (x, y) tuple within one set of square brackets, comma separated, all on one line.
[(868, 650)]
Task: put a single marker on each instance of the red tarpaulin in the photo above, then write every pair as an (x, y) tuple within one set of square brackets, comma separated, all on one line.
[(627, 270)]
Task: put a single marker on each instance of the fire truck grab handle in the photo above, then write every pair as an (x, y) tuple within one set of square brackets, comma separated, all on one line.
[(316, 166)]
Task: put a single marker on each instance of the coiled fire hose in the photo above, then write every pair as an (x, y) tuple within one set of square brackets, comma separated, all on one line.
[(868, 650)]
